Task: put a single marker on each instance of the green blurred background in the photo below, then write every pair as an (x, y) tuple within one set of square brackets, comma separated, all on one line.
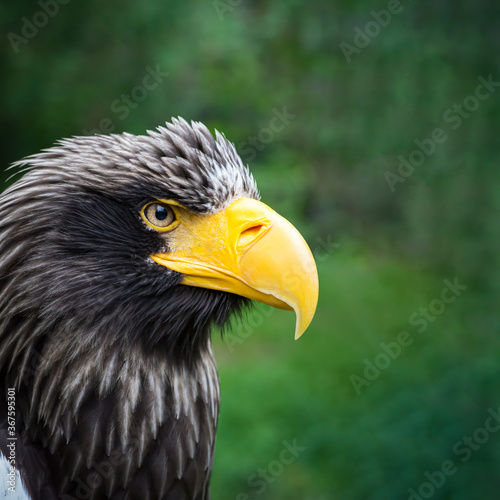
[(347, 105)]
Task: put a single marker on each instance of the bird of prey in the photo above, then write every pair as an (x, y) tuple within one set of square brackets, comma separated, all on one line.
[(118, 256)]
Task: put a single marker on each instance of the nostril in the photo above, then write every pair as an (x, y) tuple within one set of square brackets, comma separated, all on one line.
[(248, 235)]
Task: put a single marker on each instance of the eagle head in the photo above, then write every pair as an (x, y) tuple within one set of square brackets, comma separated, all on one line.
[(118, 255)]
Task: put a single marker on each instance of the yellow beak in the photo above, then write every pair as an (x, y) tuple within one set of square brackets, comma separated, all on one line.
[(249, 250)]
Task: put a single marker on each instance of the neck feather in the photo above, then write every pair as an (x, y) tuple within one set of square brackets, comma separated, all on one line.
[(145, 418)]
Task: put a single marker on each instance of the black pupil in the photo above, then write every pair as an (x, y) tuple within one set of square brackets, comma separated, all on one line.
[(161, 213)]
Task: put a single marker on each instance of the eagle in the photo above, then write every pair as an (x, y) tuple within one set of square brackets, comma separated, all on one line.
[(119, 256)]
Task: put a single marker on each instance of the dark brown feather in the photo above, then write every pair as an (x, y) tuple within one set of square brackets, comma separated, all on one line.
[(117, 388)]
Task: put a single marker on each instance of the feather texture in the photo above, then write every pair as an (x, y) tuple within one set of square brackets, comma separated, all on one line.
[(116, 385)]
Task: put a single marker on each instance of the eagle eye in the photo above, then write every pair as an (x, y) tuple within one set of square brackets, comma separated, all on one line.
[(160, 216)]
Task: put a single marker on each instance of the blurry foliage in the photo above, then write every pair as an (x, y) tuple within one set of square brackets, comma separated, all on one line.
[(325, 172)]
